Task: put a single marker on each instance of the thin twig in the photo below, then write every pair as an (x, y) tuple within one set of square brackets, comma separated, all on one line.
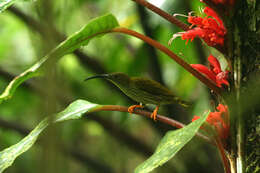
[(160, 118), (167, 51), (162, 13)]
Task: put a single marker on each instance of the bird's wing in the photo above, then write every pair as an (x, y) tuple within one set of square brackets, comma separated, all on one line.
[(162, 94), (151, 86)]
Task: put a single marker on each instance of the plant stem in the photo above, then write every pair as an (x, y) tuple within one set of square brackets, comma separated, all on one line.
[(177, 59), (223, 156), (163, 14), (232, 163), (240, 138), (160, 118), (239, 123)]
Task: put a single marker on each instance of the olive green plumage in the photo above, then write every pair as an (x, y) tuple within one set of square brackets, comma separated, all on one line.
[(142, 90)]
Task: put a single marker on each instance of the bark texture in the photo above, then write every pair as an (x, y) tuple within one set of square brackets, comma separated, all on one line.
[(245, 53)]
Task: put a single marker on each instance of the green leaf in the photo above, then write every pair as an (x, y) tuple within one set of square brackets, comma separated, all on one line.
[(4, 4), (74, 111), (96, 27), (171, 143)]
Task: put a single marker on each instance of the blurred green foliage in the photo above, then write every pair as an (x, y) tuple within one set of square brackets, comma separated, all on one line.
[(21, 46)]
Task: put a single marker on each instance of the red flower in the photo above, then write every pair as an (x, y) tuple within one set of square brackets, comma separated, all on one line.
[(217, 128), (195, 118), (215, 73), (219, 120), (211, 30)]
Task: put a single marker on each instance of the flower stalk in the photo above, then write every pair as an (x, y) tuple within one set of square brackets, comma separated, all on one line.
[(160, 118), (172, 55), (163, 14)]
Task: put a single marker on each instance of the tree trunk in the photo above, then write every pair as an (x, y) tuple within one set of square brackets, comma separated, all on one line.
[(245, 53)]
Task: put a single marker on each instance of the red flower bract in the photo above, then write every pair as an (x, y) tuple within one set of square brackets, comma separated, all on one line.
[(210, 29), (195, 117), (215, 73), (219, 120), (217, 128)]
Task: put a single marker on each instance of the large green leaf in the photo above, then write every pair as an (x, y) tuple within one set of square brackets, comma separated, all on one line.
[(4, 4), (96, 27), (74, 111), (171, 143)]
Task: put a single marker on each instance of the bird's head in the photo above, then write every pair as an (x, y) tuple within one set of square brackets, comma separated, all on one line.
[(118, 78)]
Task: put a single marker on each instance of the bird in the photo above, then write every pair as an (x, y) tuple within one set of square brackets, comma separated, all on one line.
[(143, 91)]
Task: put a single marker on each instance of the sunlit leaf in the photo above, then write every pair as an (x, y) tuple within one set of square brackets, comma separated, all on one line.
[(4, 4), (171, 143), (96, 27), (74, 111)]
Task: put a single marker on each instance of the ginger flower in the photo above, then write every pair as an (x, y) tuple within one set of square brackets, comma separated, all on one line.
[(219, 121), (217, 128), (210, 28), (213, 73)]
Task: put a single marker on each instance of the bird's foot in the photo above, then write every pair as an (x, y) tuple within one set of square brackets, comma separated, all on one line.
[(132, 108), (154, 114)]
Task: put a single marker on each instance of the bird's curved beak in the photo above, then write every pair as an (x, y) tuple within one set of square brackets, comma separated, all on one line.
[(97, 76)]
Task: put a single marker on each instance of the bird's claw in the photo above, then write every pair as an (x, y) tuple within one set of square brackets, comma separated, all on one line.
[(132, 108), (154, 114)]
